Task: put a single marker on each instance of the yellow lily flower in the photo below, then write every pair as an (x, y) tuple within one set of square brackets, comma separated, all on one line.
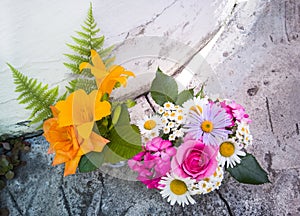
[(106, 79), (70, 133)]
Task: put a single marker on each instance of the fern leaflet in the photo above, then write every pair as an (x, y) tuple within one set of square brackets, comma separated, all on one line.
[(38, 98), (86, 40)]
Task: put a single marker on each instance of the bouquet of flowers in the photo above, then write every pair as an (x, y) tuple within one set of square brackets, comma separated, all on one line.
[(182, 149), (190, 141)]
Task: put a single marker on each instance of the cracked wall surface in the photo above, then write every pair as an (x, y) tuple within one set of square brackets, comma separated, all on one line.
[(256, 59), (29, 29)]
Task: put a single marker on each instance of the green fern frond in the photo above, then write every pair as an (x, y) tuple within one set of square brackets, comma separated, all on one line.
[(72, 67), (38, 98), (86, 40), (85, 52), (76, 58), (87, 84), (97, 43)]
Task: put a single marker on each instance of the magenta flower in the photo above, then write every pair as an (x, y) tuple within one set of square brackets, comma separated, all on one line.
[(236, 111), (195, 159), (154, 162)]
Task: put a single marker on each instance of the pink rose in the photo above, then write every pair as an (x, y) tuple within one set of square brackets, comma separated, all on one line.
[(195, 159)]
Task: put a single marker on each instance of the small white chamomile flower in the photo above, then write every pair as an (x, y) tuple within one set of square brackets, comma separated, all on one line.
[(168, 106), (161, 110), (243, 134), (210, 183), (179, 118), (166, 130), (243, 128), (172, 137), (247, 141), (173, 115), (179, 133), (171, 125)]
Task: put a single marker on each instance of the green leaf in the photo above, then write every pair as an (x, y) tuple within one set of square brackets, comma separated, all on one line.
[(130, 103), (125, 139), (91, 161), (35, 95), (249, 171), (164, 88), (184, 96), (201, 91)]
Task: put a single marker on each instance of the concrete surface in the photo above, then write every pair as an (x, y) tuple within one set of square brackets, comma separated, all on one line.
[(256, 59)]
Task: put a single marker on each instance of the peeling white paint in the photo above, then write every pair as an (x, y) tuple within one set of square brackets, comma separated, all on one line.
[(33, 36)]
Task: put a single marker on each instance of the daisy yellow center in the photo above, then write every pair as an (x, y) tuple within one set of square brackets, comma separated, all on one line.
[(180, 118), (207, 126), (178, 187), (194, 108), (227, 149), (149, 124)]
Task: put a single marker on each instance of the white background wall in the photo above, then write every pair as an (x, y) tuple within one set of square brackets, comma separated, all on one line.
[(33, 35)]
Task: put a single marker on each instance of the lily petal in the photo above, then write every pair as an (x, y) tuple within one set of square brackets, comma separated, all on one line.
[(84, 130), (85, 65), (71, 166)]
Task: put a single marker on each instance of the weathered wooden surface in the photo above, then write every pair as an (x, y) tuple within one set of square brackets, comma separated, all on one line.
[(256, 58)]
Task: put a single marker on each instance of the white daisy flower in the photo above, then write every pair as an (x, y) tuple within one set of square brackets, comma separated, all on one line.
[(166, 130), (243, 134), (172, 137), (167, 114), (171, 125), (229, 152), (195, 104), (177, 189), (204, 187), (243, 128), (149, 136), (150, 124), (168, 106), (179, 133), (173, 115), (161, 110), (164, 120), (247, 141)]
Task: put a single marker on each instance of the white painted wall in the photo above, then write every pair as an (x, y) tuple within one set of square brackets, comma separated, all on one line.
[(33, 36)]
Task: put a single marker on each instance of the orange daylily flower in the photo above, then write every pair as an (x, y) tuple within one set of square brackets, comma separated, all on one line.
[(116, 74), (82, 110), (64, 143), (70, 131), (98, 68), (106, 79)]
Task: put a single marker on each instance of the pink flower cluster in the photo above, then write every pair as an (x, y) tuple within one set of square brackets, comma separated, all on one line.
[(153, 162), (236, 111), (193, 159)]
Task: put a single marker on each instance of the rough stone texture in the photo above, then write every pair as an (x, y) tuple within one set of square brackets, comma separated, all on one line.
[(256, 59)]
